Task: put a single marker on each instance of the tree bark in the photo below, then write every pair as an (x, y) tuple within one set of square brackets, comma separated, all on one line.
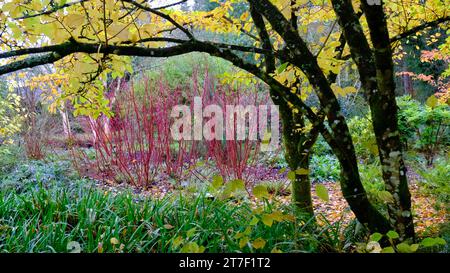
[(340, 140), (386, 127), (376, 73), (297, 151)]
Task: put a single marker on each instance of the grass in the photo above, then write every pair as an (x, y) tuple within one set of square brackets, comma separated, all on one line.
[(45, 207), (48, 217)]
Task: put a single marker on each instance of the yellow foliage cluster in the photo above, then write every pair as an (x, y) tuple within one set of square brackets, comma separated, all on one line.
[(115, 22)]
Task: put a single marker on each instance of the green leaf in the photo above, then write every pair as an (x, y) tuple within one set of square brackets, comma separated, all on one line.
[(291, 175), (388, 249), (302, 171), (432, 101), (192, 247), (217, 182), (282, 67), (277, 215), (233, 186), (322, 192), (392, 235), (247, 231), (190, 232), (440, 241), (237, 184), (429, 242), (267, 219), (276, 250), (254, 221), (200, 164), (176, 242), (375, 237), (260, 192), (239, 235), (404, 248)]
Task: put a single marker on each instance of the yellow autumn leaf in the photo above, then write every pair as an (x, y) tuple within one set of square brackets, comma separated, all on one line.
[(322, 192), (74, 20), (259, 243), (118, 31)]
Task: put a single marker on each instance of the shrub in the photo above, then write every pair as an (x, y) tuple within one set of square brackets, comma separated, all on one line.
[(178, 155), (373, 183), (178, 70), (324, 168), (234, 157), (11, 117), (424, 125), (321, 147), (363, 137), (10, 156), (136, 145), (436, 180), (39, 124)]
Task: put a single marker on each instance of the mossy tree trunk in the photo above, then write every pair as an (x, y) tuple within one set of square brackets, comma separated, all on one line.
[(298, 144), (376, 70), (339, 139)]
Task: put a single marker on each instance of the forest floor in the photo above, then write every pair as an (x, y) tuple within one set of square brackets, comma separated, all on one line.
[(428, 215)]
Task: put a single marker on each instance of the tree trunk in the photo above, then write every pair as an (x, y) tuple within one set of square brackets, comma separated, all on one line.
[(407, 81), (301, 188), (297, 155), (66, 122), (376, 72)]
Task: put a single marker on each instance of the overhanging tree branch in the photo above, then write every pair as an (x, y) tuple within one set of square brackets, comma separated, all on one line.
[(31, 62), (412, 31), (55, 48), (418, 28)]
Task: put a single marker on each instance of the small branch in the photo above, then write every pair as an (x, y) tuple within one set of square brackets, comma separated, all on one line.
[(50, 11), (419, 28), (162, 15), (326, 40), (241, 29)]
